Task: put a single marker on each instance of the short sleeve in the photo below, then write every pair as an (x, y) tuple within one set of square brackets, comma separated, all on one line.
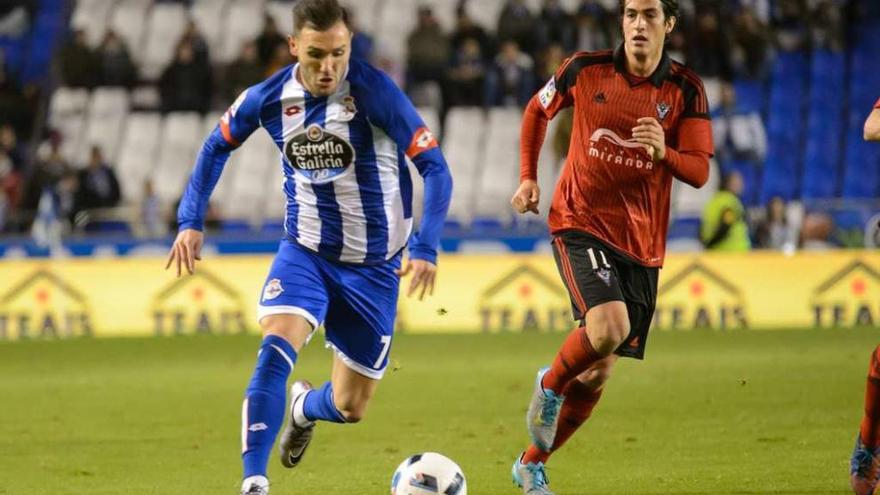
[(556, 94), (242, 118)]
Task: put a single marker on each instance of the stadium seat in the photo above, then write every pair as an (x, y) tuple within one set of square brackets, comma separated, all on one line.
[(688, 201), (463, 146), (137, 154), (366, 13), (165, 27), (396, 21), (67, 115), (92, 16), (486, 13), (180, 138), (248, 172), (208, 16), (499, 171), (129, 21), (750, 95), (282, 12), (243, 22)]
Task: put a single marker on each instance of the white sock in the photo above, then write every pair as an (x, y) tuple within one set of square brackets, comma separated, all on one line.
[(261, 481), (299, 417)]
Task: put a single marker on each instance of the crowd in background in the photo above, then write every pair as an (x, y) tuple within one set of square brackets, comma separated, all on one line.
[(471, 65)]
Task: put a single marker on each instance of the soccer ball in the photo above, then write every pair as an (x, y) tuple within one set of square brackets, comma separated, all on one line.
[(428, 474)]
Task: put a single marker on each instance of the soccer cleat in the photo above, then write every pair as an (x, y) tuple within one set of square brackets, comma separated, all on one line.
[(530, 477), (255, 485), (298, 434), (543, 415), (864, 468)]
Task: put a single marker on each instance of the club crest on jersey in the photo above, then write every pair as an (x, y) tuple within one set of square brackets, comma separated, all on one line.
[(545, 96), (662, 110), (273, 289), (319, 155), (348, 109)]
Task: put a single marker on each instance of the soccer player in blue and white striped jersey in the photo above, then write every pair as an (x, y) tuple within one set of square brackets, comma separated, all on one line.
[(344, 130)]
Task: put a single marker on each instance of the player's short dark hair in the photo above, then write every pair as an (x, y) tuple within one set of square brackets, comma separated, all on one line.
[(670, 7), (319, 15)]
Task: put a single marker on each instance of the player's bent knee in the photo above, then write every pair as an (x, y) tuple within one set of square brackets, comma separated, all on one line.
[(608, 326), (293, 328)]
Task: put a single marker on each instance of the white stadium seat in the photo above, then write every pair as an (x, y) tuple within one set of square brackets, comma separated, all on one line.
[(92, 16), (208, 16), (282, 12), (463, 145), (165, 27), (244, 20), (180, 137), (366, 14), (108, 109), (486, 13), (109, 102), (499, 169), (128, 20), (397, 20), (67, 114), (688, 201), (137, 154), (247, 171)]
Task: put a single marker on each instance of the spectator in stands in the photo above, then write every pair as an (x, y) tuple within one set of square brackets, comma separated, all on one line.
[(466, 28), (723, 225), (590, 32), (98, 186), (243, 72), (10, 184), (467, 76), (279, 60), (117, 68), (66, 194), (517, 23), (751, 43), (738, 135), (816, 232), (48, 169), (15, 108), (185, 85), (151, 212), (10, 145), (790, 24), (428, 51), (550, 60), (773, 232), (709, 47), (555, 26), (827, 28), (510, 80), (268, 40), (79, 64), (194, 38)]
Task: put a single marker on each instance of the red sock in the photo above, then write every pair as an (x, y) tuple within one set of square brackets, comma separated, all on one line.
[(574, 357), (871, 421), (577, 408)]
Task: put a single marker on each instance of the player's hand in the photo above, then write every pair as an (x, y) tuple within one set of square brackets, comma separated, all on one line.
[(526, 197), (650, 133), (424, 273), (187, 249)]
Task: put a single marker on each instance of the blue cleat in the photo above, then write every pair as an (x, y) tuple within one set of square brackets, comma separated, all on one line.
[(864, 468), (543, 415), (530, 477)]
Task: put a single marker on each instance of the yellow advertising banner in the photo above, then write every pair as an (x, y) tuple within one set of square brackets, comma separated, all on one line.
[(474, 293)]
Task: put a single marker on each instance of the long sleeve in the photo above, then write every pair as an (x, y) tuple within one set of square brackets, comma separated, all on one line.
[(209, 165), (532, 133), (690, 167), (438, 194)]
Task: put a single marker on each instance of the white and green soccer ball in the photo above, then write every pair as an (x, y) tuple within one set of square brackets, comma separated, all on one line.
[(429, 473)]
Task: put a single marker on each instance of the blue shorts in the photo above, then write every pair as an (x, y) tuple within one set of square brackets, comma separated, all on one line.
[(356, 304)]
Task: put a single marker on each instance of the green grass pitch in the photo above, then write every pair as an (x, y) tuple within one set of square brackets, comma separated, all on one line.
[(707, 413)]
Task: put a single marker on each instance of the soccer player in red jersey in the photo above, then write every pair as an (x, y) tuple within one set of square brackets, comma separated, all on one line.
[(865, 461), (640, 121)]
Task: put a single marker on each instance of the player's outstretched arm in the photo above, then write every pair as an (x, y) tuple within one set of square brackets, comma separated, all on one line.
[(872, 125)]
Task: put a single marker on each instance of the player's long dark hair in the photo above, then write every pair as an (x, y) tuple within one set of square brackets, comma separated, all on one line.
[(670, 7), (320, 15)]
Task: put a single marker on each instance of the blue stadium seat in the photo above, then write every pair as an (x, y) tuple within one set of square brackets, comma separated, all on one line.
[(751, 174), (749, 95), (861, 177), (684, 228)]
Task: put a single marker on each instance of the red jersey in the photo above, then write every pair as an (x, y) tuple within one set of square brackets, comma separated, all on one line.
[(877, 105), (610, 187)]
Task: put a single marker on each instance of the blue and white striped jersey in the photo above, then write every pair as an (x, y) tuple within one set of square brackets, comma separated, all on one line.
[(349, 190)]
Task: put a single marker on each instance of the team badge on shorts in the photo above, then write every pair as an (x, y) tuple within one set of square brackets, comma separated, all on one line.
[(605, 275), (662, 110), (273, 289)]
